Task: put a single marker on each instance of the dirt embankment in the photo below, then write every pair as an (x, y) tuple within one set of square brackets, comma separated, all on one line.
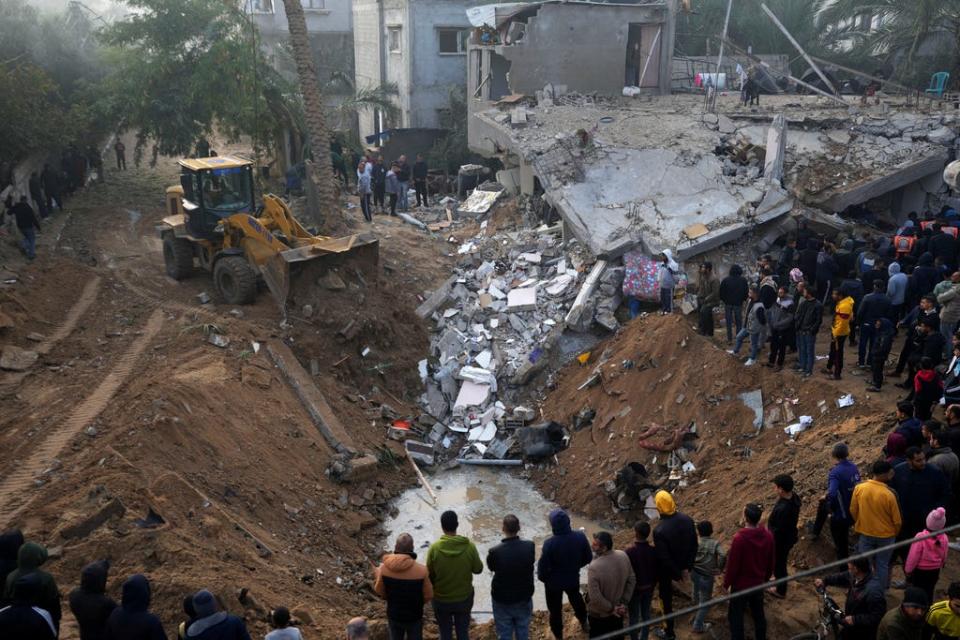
[(212, 440)]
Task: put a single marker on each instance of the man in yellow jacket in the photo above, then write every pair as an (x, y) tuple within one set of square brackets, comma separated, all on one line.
[(842, 316), (876, 517)]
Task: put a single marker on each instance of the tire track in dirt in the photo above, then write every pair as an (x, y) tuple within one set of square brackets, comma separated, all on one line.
[(15, 487), (87, 297)]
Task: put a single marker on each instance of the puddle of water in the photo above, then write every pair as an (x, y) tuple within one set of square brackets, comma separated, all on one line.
[(481, 497)]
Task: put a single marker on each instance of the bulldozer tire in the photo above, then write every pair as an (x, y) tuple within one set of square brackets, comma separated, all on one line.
[(235, 279), (178, 257)]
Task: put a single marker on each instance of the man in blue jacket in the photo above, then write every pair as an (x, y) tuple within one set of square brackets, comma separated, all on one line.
[(563, 555), (841, 480)]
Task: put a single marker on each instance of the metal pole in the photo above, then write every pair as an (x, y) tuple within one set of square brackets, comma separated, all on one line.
[(716, 89), (766, 585), (798, 47)]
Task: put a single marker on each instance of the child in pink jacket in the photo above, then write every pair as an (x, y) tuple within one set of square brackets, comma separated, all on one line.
[(927, 557)]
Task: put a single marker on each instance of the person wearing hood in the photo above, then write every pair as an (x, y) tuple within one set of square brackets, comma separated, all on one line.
[(562, 557), (22, 619), (782, 523), (191, 614), (451, 562), (808, 259), (928, 557), (896, 289), (667, 279), (132, 620), (511, 562), (883, 335), (405, 585), (923, 279), (896, 449), (675, 545), (30, 558), (865, 606), (750, 563), (905, 622), (943, 245), (10, 543), (733, 293), (782, 322), (212, 623), (90, 604), (874, 306)]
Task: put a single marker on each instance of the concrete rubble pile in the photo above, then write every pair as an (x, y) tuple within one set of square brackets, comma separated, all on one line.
[(498, 321)]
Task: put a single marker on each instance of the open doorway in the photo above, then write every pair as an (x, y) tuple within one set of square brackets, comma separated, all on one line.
[(642, 68), (634, 56)]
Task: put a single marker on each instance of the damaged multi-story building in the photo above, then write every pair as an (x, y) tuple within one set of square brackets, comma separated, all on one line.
[(574, 99)]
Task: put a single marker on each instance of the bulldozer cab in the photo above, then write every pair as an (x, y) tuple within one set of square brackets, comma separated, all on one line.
[(214, 189)]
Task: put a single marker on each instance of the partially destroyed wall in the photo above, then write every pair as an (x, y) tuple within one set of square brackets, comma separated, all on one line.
[(581, 46)]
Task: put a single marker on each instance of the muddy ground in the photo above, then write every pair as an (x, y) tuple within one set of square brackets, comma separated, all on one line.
[(130, 409)]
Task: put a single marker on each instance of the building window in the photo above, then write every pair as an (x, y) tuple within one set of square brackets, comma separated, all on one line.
[(393, 39), (312, 5), (262, 6), (453, 41)]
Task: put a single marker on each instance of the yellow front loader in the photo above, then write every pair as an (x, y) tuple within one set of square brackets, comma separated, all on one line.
[(213, 222)]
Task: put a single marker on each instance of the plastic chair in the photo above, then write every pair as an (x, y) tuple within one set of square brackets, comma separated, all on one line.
[(938, 83)]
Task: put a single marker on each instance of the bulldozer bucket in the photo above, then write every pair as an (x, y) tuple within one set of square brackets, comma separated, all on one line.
[(307, 264)]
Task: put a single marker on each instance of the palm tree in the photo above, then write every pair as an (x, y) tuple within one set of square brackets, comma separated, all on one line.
[(318, 134), (903, 28)]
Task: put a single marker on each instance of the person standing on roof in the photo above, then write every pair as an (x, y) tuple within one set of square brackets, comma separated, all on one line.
[(675, 545), (564, 554)]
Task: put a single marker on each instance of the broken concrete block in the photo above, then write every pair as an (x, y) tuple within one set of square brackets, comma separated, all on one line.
[(524, 299), (472, 395), (560, 285), (479, 376), (517, 323), (530, 258), (725, 124), (16, 359), (420, 451), (88, 525)]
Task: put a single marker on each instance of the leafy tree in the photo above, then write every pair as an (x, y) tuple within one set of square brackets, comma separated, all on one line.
[(184, 67)]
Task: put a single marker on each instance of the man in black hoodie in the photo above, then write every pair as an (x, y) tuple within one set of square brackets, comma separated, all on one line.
[(944, 246), (90, 604), (132, 620), (10, 543), (564, 554), (22, 619), (733, 293), (30, 558), (782, 523), (923, 279)]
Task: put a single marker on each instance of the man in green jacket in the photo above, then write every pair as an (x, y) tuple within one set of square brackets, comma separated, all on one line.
[(451, 562), (29, 559)]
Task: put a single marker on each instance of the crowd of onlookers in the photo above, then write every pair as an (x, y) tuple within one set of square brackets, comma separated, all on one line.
[(382, 186)]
